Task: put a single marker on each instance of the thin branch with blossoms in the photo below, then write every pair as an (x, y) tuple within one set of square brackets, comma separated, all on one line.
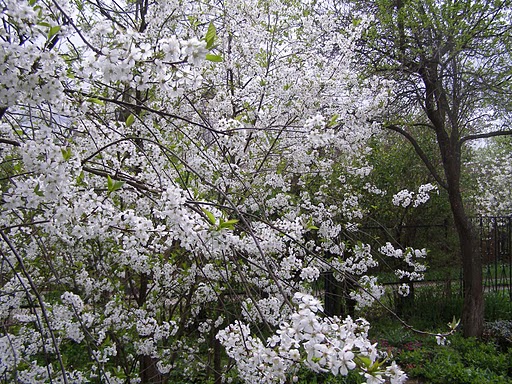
[(35, 291)]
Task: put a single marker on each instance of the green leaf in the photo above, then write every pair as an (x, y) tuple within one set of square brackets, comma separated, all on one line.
[(53, 31), (80, 178), (194, 21), (310, 226), (130, 120), (333, 121), (210, 36), (210, 216), (37, 191), (366, 361), (229, 224), (95, 101), (214, 58), (454, 324), (118, 185), (112, 185), (66, 153)]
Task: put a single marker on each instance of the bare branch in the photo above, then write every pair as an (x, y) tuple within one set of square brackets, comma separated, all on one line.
[(10, 142), (419, 152), (117, 176), (485, 136), (134, 107)]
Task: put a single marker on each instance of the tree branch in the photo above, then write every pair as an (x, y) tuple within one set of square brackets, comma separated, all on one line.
[(484, 136), (10, 142), (419, 152), (77, 30), (133, 107), (40, 300), (117, 176)]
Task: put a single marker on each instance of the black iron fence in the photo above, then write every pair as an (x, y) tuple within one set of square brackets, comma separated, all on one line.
[(495, 241), (495, 233)]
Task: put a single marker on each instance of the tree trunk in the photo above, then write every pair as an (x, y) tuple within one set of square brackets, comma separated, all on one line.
[(149, 373), (473, 309), (332, 295)]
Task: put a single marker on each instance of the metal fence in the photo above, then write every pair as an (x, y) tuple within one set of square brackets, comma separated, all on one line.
[(495, 240), (495, 233)]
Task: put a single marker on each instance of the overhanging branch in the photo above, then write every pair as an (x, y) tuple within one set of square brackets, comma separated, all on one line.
[(10, 142), (419, 152), (485, 135), (134, 107), (116, 176)]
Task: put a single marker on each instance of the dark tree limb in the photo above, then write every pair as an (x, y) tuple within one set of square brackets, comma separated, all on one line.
[(419, 152), (134, 107), (136, 184), (10, 142), (485, 135)]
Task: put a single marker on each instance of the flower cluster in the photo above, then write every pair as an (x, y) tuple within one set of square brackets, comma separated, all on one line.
[(326, 344), (414, 261), (405, 198), (369, 290)]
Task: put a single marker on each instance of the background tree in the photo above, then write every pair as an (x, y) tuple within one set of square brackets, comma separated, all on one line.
[(450, 62), (491, 169), (397, 171)]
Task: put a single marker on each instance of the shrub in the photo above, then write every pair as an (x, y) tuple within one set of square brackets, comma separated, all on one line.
[(465, 361), (498, 306), (499, 332)]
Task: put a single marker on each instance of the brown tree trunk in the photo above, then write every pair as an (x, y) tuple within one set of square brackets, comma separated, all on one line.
[(149, 373), (473, 309), (332, 295)]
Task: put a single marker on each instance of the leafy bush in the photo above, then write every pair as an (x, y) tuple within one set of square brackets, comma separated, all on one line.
[(464, 361), (499, 332), (307, 376), (498, 306)]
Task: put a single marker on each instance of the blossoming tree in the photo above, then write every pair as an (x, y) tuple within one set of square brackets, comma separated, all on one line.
[(491, 165), (167, 190)]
